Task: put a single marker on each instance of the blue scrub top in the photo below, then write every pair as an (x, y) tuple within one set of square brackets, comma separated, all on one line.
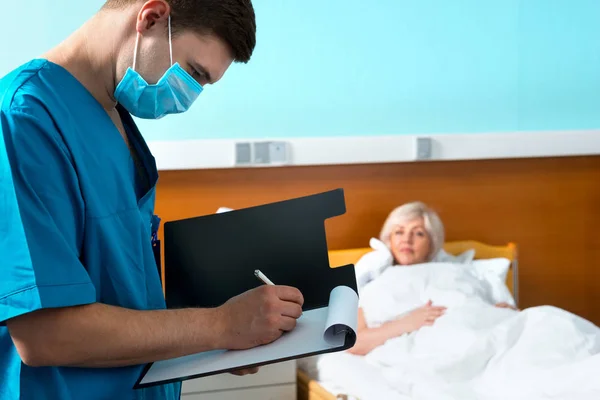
[(76, 220)]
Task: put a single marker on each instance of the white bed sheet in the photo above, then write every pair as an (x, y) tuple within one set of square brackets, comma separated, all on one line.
[(474, 352), (350, 375)]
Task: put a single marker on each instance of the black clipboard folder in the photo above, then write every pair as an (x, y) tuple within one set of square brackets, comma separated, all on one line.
[(212, 258)]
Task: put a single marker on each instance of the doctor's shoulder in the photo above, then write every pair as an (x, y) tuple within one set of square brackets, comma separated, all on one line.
[(20, 83), (25, 100)]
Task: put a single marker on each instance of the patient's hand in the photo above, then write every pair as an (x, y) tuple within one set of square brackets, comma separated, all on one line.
[(506, 305), (423, 316)]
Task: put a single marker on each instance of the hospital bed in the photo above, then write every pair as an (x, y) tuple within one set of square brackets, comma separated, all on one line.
[(310, 388)]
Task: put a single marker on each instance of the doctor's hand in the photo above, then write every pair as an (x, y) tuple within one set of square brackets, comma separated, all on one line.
[(259, 316), (243, 372), (422, 316)]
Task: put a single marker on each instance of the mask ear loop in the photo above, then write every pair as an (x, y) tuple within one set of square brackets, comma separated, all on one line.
[(170, 42), (135, 50), (137, 42)]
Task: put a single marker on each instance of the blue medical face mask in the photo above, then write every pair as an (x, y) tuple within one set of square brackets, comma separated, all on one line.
[(174, 93)]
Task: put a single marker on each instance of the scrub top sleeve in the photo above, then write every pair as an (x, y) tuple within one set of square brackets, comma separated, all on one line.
[(41, 218)]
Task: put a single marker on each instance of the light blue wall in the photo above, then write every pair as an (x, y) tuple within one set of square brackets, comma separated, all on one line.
[(356, 67)]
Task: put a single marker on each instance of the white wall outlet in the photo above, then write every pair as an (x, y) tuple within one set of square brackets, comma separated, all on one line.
[(243, 153), (279, 153), (271, 153), (261, 154), (424, 149)]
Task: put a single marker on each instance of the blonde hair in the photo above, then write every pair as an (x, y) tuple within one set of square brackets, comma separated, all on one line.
[(410, 211)]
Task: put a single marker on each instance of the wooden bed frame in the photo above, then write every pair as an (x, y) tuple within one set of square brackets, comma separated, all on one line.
[(309, 389)]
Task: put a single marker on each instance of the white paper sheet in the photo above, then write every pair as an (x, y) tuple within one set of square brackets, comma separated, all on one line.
[(317, 331)]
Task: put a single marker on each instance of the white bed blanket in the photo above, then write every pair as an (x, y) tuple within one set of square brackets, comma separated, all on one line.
[(476, 350)]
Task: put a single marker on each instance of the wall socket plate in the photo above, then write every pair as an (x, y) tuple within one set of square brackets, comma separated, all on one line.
[(279, 153), (243, 153), (424, 149), (267, 153)]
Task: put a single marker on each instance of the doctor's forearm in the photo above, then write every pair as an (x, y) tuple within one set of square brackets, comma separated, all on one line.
[(98, 335)]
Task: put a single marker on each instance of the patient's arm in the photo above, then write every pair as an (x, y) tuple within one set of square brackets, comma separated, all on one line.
[(506, 305), (369, 338)]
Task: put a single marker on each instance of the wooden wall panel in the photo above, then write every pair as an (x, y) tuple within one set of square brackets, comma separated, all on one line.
[(549, 207)]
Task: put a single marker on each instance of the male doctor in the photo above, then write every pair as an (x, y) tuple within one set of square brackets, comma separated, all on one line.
[(81, 304)]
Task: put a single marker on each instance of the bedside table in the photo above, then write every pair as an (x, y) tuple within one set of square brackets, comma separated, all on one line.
[(272, 382)]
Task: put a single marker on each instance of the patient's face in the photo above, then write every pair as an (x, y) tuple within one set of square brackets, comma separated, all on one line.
[(410, 242)]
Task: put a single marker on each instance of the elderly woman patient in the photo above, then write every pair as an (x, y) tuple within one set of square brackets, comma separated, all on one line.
[(413, 234), (435, 326)]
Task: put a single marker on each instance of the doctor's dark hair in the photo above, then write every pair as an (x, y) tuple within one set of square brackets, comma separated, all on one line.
[(233, 21)]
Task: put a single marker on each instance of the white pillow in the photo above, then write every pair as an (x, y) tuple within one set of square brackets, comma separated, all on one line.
[(493, 271), (497, 267), (464, 258), (372, 264)]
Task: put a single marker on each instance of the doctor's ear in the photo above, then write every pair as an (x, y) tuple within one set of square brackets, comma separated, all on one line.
[(152, 13)]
